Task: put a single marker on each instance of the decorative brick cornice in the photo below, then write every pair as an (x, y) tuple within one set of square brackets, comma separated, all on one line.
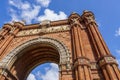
[(51, 24)]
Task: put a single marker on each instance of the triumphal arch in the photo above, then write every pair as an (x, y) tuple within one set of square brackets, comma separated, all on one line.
[(75, 44)]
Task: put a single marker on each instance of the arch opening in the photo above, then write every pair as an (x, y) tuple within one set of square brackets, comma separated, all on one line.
[(33, 56), (27, 56), (45, 71)]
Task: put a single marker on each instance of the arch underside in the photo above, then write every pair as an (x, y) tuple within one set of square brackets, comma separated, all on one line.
[(27, 56)]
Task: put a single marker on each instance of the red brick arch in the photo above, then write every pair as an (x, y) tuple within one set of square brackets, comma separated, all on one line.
[(88, 59), (58, 54)]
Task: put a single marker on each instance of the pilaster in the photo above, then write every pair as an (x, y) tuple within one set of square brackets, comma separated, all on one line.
[(106, 61), (80, 62), (109, 64), (4, 34), (14, 29), (100, 46), (6, 28)]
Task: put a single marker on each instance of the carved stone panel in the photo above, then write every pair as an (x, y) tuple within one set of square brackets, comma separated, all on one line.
[(44, 30)]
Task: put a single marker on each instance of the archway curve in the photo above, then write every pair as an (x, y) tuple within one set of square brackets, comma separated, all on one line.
[(39, 54), (59, 46)]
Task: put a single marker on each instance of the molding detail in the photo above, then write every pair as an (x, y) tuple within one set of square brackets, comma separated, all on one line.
[(107, 60), (62, 49), (44, 30), (94, 65), (82, 61)]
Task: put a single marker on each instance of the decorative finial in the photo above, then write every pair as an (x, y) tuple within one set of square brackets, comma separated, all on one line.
[(85, 11), (23, 21), (73, 12), (44, 22)]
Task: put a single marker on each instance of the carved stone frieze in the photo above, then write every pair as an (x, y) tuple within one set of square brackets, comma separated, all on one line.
[(44, 30)]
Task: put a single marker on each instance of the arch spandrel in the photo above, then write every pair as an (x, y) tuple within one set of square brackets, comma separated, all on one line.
[(62, 49)]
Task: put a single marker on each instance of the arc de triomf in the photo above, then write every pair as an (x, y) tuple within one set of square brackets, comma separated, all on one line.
[(75, 44)]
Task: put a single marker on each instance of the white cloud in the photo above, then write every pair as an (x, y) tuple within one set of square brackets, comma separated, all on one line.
[(25, 6), (51, 73), (24, 10), (31, 77), (117, 32), (51, 15), (13, 3), (118, 51), (13, 15), (29, 12), (44, 3), (18, 3)]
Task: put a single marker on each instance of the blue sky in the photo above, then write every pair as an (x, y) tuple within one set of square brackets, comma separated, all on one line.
[(107, 14)]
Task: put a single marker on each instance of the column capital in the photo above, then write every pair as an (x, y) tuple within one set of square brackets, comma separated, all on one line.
[(88, 17), (82, 61), (109, 59)]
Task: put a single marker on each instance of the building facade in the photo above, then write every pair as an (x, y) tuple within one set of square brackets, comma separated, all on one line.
[(75, 44)]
